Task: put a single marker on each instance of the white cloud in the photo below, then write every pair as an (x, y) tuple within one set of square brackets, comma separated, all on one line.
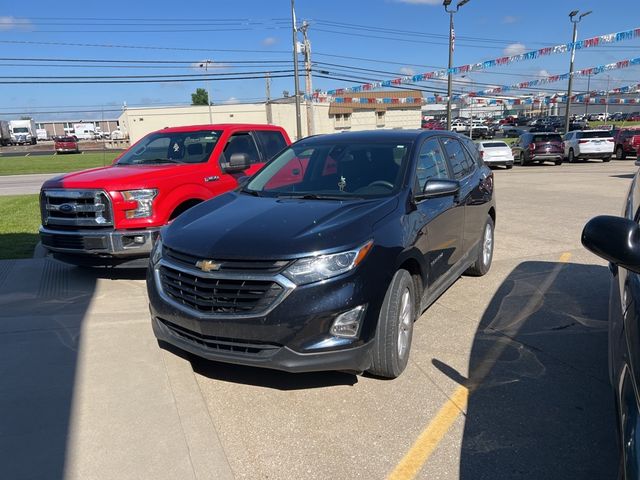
[(421, 2), (544, 73), (230, 101), (269, 41), (509, 19), (12, 23), (514, 49), (407, 71)]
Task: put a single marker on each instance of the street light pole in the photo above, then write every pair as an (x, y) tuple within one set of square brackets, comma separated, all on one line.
[(586, 104), (575, 22), (446, 4), (296, 82)]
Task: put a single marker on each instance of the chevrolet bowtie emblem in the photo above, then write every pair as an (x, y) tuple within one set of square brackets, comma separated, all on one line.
[(208, 265)]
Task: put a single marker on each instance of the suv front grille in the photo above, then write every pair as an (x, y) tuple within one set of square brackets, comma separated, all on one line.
[(218, 295), (77, 208), (239, 266)]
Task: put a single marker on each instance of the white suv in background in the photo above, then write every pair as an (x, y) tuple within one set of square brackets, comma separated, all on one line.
[(584, 144), (495, 152)]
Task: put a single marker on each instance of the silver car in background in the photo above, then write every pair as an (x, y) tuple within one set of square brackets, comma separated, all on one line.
[(496, 152)]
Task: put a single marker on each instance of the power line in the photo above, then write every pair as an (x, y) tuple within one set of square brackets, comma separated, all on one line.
[(141, 47), (169, 77), (146, 80)]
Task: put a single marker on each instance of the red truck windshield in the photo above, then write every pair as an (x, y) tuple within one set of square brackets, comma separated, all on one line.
[(172, 147)]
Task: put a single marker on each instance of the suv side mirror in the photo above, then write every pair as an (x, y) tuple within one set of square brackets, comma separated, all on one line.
[(615, 239), (238, 162), (436, 187)]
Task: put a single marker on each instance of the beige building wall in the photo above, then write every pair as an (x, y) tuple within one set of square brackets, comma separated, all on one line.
[(137, 122)]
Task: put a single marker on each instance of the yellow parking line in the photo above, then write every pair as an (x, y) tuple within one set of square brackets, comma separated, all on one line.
[(432, 435)]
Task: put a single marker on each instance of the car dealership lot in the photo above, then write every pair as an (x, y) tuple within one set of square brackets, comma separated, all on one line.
[(507, 376)]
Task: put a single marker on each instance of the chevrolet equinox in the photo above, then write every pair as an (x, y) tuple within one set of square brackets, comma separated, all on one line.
[(324, 258)]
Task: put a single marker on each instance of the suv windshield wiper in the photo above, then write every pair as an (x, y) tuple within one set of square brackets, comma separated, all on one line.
[(314, 196), (255, 193)]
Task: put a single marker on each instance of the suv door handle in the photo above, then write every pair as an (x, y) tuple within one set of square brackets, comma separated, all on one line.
[(212, 178)]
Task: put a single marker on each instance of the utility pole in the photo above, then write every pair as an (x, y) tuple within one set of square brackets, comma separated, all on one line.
[(205, 64), (294, 32), (307, 66), (572, 14), (446, 4), (267, 104)]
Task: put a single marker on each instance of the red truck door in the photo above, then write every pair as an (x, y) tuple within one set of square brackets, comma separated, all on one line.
[(238, 142)]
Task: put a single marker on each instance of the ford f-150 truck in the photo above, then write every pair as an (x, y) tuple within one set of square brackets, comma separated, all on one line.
[(111, 215)]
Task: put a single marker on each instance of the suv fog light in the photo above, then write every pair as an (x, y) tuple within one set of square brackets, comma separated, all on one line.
[(347, 324)]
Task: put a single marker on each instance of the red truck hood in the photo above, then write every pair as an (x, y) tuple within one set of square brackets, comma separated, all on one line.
[(116, 178)]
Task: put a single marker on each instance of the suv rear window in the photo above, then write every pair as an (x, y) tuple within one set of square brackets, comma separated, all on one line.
[(494, 144), (546, 138), (595, 135)]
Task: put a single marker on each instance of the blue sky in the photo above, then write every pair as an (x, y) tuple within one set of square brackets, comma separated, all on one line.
[(395, 36)]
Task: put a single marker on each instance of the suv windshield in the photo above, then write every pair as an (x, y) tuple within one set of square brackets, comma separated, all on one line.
[(172, 147), (333, 170)]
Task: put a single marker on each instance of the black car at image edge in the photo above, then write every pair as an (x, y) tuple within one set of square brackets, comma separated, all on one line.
[(617, 240), (324, 259)]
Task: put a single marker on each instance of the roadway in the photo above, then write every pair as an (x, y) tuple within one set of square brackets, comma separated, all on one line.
[(507, 376), (23, 184)]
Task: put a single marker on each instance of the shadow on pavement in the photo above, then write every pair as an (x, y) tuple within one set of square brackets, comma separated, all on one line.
[(624, 175), (540, 405), (262, 377), (42, 307)]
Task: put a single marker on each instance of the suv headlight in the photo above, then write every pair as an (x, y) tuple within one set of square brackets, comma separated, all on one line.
[(144, 199), (322, 267)]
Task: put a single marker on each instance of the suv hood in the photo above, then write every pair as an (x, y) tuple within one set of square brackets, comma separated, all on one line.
[(237, 225), (114, 178)]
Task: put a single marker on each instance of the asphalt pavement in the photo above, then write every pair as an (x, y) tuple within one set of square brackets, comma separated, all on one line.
[(23, 184), (507, 376)]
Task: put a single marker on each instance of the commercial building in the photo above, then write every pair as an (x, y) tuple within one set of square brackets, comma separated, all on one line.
[(326, 117)]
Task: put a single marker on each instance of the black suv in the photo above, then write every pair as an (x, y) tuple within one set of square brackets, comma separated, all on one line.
[(324, 259)]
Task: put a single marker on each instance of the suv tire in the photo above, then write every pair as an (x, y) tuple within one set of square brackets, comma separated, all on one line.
[(619, 153), (571, 158), (523, 161), (485, 251), (606, 159), (392, 343), (558, 162)]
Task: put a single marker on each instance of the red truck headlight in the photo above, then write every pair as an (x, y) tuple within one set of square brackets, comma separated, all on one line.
[(143, 200)]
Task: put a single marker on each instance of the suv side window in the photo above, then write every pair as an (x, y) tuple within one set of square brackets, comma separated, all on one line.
[(472, 150), (272, 142), (242, 143), (431, 163), (461, 163)]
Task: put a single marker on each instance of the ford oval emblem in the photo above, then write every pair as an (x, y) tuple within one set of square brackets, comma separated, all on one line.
[(66, 208)]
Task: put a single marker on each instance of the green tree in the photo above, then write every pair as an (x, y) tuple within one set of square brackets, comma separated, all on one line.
[(200, 97)]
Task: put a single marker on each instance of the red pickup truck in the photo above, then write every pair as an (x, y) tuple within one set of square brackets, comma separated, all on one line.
[(111, 215)]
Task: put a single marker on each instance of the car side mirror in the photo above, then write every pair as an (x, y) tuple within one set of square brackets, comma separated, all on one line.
[(615, 239), (436, 187), (238, 162)]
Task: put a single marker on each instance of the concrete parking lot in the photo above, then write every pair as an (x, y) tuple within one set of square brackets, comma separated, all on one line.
[(507, 376)]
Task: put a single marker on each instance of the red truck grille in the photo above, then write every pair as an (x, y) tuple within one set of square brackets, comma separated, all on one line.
[(218, 295), (77, 208)]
